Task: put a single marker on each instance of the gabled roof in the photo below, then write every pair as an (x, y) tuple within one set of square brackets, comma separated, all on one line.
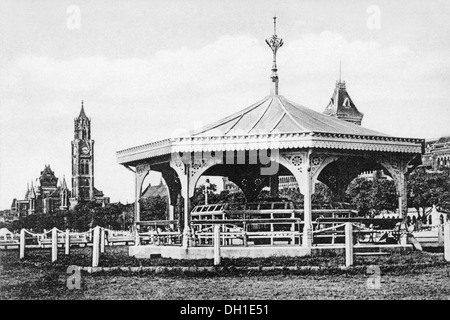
[(276, 114), (153, 191), (98, 193), (48, 178)]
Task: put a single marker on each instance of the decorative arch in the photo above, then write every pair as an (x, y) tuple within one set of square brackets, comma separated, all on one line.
[(199, 166)]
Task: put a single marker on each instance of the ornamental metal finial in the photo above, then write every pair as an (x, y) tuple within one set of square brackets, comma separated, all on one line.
[(274, 43)]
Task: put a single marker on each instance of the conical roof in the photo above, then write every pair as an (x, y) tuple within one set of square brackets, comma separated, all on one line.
[(276, 114), (64, 184), (27, 193), (82, 114), (32, 193)]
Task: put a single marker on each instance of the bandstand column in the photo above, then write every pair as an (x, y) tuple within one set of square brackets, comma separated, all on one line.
[(397, 168), (187, 236), (402, 195), (307, 205), (183, 171), (141, 173), (299, 164), (273, 185)]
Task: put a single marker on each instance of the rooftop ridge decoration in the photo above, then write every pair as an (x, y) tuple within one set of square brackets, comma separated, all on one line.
[(274, 43)]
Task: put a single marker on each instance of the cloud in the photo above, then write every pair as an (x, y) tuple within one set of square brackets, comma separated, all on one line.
[(220, 65), (137, 100)]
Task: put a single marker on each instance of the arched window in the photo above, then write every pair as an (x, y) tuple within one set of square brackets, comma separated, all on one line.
[(86, 167), (346, 102)]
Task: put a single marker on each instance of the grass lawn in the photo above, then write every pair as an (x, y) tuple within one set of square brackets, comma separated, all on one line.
[(37, 278)]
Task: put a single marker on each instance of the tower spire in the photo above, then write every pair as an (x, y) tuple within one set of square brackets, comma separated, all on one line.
[(82, 113), (274, 43)]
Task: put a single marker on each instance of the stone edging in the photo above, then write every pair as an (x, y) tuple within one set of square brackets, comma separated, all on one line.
[(219, 269), (224, 269)]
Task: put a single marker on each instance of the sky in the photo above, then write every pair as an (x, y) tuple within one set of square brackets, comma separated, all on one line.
[(148, 69)]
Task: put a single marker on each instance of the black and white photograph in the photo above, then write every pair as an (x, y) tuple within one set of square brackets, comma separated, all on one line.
[(224, 155)]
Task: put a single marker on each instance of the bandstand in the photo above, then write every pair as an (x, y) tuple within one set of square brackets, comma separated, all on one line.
[(253, 147)]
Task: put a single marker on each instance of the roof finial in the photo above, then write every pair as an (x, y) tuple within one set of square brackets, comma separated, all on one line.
[(275, 24), (339, 83), (274, 43)]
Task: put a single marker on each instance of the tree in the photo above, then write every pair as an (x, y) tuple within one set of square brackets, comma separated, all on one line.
[(428, 188), (199, 195), (371, 197), (154, 208)]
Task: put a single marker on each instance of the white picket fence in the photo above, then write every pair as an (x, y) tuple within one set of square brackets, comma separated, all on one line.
[(97, 237)]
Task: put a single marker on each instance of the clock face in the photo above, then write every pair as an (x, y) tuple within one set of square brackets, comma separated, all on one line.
[(85, 150)]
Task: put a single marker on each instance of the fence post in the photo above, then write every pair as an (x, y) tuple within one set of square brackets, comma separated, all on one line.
[(102, 240), (244, 234), (216, 244), (447, 242), (440, 235), (22, 244), (348, 244), (54, 244), (67, 245), (137, 239), (96, 247)]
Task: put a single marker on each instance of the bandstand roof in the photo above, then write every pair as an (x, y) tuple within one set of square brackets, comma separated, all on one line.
[(276, 114), (275, 123)]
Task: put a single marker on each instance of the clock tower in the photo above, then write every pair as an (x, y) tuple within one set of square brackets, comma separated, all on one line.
[(82, 160)]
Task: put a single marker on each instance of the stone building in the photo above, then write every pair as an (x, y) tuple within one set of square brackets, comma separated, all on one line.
[(83, 164), (437, 154), (47, 193)]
